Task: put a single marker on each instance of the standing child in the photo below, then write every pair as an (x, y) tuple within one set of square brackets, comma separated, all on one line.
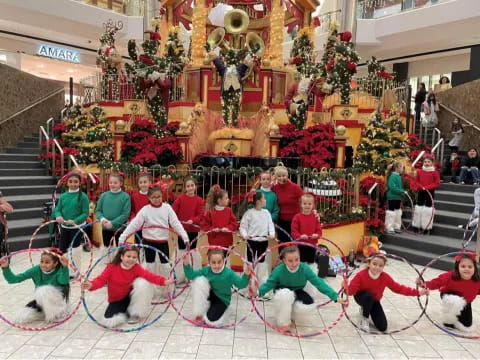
[(395, 191), (288, 194), (129, 294), (212, 287), (458, 289), (140, 199), (157, 213), (271, 201), (72, 209), (188, 208), (429, 178), (367, 288), (113, 209), (51, 281), (5, 208), (256, 227), (219, 217)]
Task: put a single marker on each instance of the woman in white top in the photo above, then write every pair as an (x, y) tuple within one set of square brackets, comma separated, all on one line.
[(430, 109)]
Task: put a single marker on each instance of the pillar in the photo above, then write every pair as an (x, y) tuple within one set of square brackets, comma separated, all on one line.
[(340, 142), (277, 20), (199, 36), (274, 146), (184, 141)]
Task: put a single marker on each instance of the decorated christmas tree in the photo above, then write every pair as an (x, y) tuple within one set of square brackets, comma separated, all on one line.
[(329, 47), (384, 140), (174, 52), (301, 54), (109, 58)]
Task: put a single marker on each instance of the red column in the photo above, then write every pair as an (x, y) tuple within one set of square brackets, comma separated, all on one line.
[(340, 142)]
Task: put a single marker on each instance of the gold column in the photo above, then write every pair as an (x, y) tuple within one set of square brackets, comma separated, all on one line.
[(277, 20), (199, 36)]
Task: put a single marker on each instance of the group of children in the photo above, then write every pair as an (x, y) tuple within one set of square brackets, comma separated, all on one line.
[(130, 289)]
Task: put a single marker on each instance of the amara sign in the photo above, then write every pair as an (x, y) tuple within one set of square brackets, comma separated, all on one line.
[(58, 53)]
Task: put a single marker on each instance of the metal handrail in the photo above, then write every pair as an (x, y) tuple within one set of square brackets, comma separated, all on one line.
[(369, 203), (49, 126), (459, 116), (55, 144), (72, 159), (58, 91)]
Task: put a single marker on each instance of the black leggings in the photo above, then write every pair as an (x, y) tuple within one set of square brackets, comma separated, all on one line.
[(107, 236), (117, 307), (307, 254), (465, 316), (394, 204), (258, 248), (217, 307), (66, 238), (424, 199), (372, 308), (191, 236), (287, 226), (150, 254), (302, 296)]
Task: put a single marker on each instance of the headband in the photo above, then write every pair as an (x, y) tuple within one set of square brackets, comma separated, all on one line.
[(466, 253)]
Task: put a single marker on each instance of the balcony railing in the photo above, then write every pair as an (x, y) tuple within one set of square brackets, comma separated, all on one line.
[(374, 9)]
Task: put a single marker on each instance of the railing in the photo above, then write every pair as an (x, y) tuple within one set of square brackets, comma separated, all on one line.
[(377, 201), (374, 9), (438, 150), (336, 190), (385, 91)]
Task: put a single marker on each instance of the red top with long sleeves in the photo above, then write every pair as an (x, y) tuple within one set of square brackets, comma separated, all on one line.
[(468, 289), (288, 195), (306, 225), (217, 219), (139, 200), (363, 282), (430, 180), (120, 281), (188, 208)]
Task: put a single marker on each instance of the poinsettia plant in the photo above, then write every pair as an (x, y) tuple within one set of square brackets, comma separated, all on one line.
[(376, 222)]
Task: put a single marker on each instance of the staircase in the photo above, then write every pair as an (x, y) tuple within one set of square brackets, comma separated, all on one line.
[(26, 185), (453, 206)]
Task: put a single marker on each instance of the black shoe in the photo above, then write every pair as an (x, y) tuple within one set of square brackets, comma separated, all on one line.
[(87, 248), (450, 326)]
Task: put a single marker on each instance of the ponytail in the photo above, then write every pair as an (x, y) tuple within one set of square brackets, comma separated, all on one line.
[(214, 194)]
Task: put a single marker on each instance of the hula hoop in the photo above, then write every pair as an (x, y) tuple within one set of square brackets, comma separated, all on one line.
[(434, 322), (89, 242), (323, 331), (473, 229), (412, 206), (172, 295), (78, 227), (87, 310), (423, 312), (40, 328)]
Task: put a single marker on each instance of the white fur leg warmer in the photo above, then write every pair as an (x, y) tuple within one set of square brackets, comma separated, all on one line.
[(397, 225), (303, 314), (27, 315), (115, 320), (163, 270), (283, 302), (140, 298), (417, 217), (200, 294), (389, 220), (179, 273), (427, 218), (52, 302), (452, 306), (219, 321)]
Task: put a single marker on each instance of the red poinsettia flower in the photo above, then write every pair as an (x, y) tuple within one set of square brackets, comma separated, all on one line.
[(330, 65), (146, 60), (345, 36), (297, 60), (352, 66)]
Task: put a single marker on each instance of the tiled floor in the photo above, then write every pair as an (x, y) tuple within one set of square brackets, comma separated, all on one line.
[(174, 338)]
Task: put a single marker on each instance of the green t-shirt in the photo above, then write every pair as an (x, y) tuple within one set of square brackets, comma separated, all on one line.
[(271, 203), (115, 207), (72, 206), (395, 187), (59, 277)]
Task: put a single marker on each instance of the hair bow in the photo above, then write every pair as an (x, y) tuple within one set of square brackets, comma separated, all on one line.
[(428, 157), (251, 196), (466, 253), (216, 188)]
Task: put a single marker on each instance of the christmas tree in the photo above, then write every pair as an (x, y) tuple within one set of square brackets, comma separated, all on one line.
[(174, 52), (329, 48), (301, 54), (109, 58), (384, 140)]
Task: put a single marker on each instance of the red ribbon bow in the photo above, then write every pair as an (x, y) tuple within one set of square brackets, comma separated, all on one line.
[(466, 253), (250, 196), (216, 188)]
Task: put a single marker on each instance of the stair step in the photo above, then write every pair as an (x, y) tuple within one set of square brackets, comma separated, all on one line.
[(453, 206), (444, 217), (27, 144), (18, 157), (454, 196), (28, 201), (22, 172), (30, 150), (21, 242), (26, 180), (419, 257), (450, 231), (31, 139), (429, 243), (32, 189), (25, 213), (469, 189), (20, 164), (25, 227)]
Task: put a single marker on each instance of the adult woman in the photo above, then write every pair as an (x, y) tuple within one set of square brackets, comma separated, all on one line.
[(457, 132), (430, 108), (470, 165), (443, 84), (419, 100)]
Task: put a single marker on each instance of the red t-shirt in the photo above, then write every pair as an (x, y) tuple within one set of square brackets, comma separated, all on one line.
[(288, 196), (188, 208), (468, 289), (120, 281), (363, 282), (306, 225), (430, 180), (214, 219), (138, 202)]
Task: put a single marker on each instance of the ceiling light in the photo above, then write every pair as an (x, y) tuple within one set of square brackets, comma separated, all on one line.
[(41, 66), (70, 71)]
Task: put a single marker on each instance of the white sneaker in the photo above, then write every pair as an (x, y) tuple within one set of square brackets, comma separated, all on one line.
[(365, 324), (133, 319)]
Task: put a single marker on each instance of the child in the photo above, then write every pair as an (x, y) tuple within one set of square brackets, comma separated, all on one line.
[(458, 289), (51, 281), (113, 209), (271, 201), (452, 167), (156, 213), (140, 199), (212, 287), (288, 280), (256, 227), (188, 207), (72, 209), (5, 208), (288, 194), (395, 191), (219, 217), (129, 294), (367, 288), (429, 178)]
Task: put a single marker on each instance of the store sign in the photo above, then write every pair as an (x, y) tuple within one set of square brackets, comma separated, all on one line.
[(59, 53)]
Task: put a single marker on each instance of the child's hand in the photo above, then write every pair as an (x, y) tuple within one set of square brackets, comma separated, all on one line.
[(86, 285), (224, 229), (215, 229), (169, 281), (63, 260), (271, 237), (304, 237), (342, 301), (420, 282), (186, 260), (60, 220), (4, 262), (247, 270), (314, 236), (70, 222), (189, 222), (423, 291), (107, 224)]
